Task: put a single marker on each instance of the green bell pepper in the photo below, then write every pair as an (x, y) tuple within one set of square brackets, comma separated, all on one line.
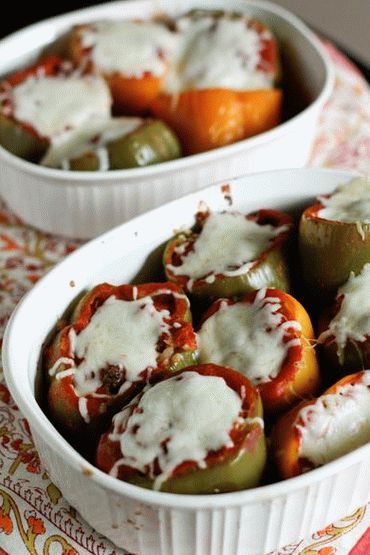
[(241, 471), (17, 136), (20, 141), (237, 468), (152, 142), (175, 351), (269, 269), (330, 250)]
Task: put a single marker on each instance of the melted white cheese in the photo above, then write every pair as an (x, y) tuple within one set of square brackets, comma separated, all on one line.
[(120, 333), (56, 106), (336, 424), (129, 47), (228, 244), (217, 53), (82, 407), (192, 414), (61, 361), (248, 338), (352, 321), (103, 158), (350, 203), (93, 136)]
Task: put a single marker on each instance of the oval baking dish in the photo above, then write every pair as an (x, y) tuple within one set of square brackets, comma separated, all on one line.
[(147, 522), (84, 204)]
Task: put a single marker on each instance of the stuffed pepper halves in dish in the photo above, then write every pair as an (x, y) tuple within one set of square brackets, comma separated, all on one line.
[(197, 431), (117, 338), (266, 336), (229, 253)]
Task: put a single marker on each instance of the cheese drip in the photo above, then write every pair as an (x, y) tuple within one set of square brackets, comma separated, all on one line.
[(129, 47), (336, 424), (120, 333), (56, 106), (218, 53), (350, 203), (191, 413), (352, 321), (228, 244), (90, 138), (248, 338)]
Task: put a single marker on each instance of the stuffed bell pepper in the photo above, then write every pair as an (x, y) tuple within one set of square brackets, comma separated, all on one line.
[(133, 56), (266, 336), (117, 338), (345, 327), (334, 237), (319, 431), (229, 253), (49, 104), (197, 431), (221, 85), (121, 143)]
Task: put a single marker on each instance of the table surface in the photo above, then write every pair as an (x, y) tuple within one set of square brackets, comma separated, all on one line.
[(34, 517)]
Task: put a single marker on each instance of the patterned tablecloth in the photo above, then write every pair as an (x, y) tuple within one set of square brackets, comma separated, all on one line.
[(34, 517)]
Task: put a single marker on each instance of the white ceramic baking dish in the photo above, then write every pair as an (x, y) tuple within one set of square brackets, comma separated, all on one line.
[(79, 204), (146, 522)]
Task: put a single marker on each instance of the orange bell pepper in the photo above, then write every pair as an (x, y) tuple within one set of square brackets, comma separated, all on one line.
[(131, 95), (299, 375), (210, 118), (285, 443), (351, 379), (285, 436)]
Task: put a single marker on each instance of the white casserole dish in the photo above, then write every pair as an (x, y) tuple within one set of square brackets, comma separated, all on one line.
[(84, 204), (145, 522)]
